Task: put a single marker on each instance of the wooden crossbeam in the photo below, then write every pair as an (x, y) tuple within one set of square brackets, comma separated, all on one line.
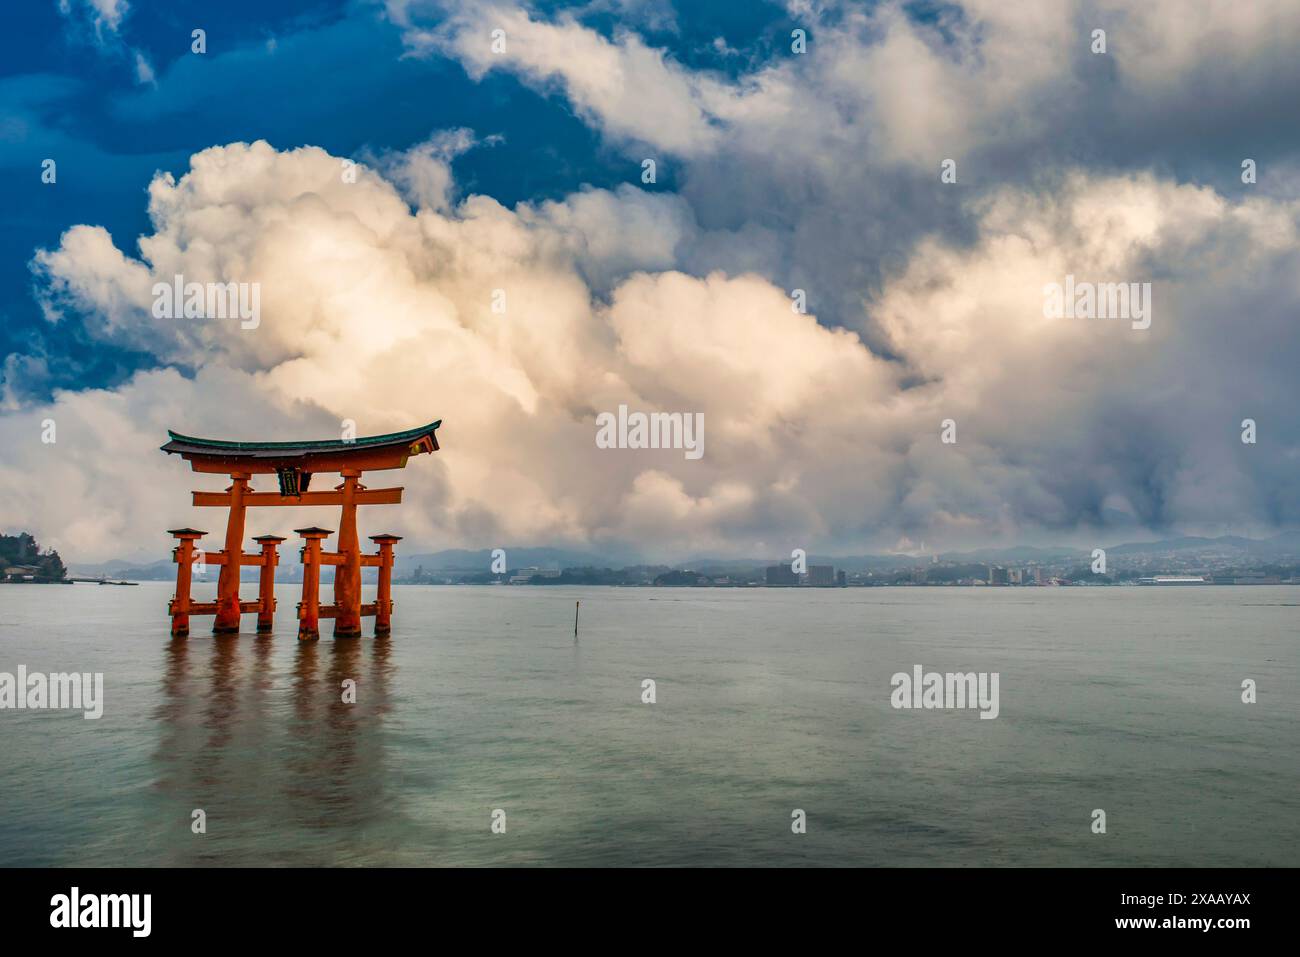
[(338, 558), (332, 611), (219, 558), (368, 496), (210, 607)]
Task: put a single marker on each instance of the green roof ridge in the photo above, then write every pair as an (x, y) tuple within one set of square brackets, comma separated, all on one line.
[(392, 438)]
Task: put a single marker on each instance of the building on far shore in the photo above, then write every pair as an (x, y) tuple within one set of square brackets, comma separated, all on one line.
[(781, 575), (821, 576)]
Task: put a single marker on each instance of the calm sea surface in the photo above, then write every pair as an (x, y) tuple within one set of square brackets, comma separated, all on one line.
[(1125, 699)]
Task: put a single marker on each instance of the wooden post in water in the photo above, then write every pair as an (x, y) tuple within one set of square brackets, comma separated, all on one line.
[(384, 597), (266, 581), (183, 556), (576, 605), (309, 607), (227, 620), (347, 574)]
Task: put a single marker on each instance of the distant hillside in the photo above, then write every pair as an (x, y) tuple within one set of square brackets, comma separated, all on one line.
[(478, 561), (1284, 545), (1019, 553), (851, 563)]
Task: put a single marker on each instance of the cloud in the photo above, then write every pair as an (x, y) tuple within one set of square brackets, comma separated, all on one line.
[(383, 315), (423, 172), (103, 16), (841, 146), (143, 71), (98, 23), (629, 89), (1069, 412), (965, 75)]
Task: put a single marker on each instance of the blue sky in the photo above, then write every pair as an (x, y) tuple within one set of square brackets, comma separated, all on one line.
[(814, 170)]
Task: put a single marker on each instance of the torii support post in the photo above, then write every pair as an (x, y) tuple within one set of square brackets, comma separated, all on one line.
[(227, 620), (183, 555), (347, 574), (266, 581), (384, 598), (309, 607)]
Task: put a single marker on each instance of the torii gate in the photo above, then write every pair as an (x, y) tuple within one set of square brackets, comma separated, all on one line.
[(294, 463)]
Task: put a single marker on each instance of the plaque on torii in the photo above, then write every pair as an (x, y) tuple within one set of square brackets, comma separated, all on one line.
[(294, 464)]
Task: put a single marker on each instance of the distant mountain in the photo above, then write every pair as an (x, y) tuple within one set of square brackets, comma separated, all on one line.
[(1285, 544), (461, 560), (480, 560), (722, 566), (107, 569), (865, 563), (162, 570), (1018, 553)]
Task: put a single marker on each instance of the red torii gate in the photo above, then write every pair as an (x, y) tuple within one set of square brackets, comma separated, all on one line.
[(294, 463)]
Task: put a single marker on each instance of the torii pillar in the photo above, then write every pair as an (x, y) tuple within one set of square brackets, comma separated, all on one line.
[(183, 555), (266, 581), (227, 620), (384, 598), (347, 574), (309, 608)]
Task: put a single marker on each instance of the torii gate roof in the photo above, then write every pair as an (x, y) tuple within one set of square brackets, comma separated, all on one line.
[(367, 453)]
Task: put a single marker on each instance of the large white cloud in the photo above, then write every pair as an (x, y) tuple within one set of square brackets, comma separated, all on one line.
[(382, 315), (376, 314)]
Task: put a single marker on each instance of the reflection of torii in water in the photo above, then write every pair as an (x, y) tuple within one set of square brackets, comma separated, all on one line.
[(294, 463)]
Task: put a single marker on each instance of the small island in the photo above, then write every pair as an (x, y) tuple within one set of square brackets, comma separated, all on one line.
[(22, 560)]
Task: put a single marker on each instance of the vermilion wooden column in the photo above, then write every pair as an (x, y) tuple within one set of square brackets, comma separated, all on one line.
[(384, 599), (309, 607), (183, 556), (266, 580), (227, 619), (347, 575)]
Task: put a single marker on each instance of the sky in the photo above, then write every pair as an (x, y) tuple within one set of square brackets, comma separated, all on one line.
[(841, 262)]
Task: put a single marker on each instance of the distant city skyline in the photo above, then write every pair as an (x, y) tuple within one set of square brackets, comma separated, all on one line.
[(1223, 561)]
